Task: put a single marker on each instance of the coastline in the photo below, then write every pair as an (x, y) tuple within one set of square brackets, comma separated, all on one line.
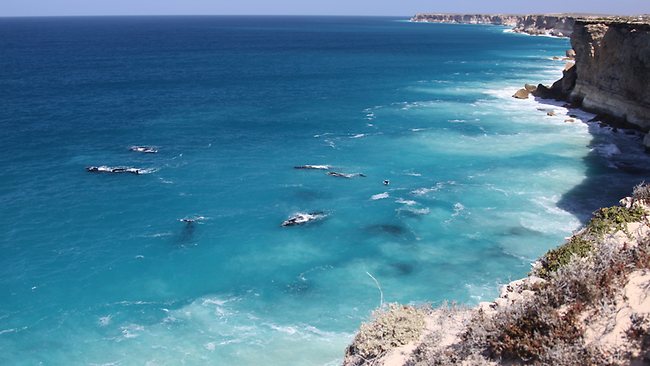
[(458, 335)]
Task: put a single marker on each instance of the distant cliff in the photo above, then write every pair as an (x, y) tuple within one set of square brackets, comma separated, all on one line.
[(554, 25)]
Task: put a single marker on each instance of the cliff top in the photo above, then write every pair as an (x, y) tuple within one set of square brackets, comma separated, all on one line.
[(585, 302)]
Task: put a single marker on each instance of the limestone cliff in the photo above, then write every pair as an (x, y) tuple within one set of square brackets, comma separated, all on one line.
[(555, 25), (498, 19), (613, 69)]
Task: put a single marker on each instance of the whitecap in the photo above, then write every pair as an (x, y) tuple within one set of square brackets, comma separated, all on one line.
[(458, 208), (415, 211), (105, 320), (379, 196), (406, 202), (357, 136)]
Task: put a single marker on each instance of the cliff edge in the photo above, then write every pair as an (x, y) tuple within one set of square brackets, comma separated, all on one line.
[(584, 303)]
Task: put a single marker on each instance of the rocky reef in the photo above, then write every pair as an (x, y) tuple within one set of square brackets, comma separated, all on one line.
[(554, 25), (584, 303)]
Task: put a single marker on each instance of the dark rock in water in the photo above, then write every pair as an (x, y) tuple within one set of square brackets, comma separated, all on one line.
[(560, 89)]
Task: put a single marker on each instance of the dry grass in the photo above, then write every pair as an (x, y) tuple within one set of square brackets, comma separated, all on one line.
[(392, 326)]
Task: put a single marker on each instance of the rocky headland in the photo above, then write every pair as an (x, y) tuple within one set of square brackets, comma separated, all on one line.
[(586, 302)]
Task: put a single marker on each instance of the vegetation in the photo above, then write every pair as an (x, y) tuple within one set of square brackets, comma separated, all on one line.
[(577, 246), (641, 193), (392, 326), (543, 319)]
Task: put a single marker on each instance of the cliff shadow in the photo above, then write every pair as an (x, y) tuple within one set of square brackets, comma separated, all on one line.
[(616, 163)]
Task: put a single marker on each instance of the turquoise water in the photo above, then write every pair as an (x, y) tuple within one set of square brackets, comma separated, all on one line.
[(97, 269)]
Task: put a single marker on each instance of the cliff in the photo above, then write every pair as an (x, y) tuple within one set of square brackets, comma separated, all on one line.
[(554, 25), (611, 74), (584, 303), (613, 69)]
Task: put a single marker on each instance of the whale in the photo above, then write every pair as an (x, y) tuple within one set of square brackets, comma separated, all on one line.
[(302, 218), (115, 170), (317, 167), (144, 149), (344, 175)]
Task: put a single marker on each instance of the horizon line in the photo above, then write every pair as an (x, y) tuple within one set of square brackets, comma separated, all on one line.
[(311, 15)]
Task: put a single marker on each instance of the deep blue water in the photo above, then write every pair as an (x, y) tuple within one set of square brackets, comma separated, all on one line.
[(98, 269)]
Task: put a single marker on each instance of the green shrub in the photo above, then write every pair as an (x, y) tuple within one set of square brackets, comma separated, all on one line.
[(555, 258), (611, 219)]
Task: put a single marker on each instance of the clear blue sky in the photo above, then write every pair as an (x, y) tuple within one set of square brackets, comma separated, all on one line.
[(315, 7)]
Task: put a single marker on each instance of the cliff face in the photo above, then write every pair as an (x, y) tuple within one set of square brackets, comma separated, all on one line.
[(498, 19), (613, 69), (554, 25), (559, 26)]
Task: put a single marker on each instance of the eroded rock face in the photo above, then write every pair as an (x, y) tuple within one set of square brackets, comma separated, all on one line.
[(559, 26), (613, 70), (498, 19)]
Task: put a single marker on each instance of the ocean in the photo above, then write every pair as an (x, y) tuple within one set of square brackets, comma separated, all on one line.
[(100, 269)]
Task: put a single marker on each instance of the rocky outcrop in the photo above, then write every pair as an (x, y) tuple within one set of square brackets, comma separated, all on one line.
[(560, 89), (554, 25)]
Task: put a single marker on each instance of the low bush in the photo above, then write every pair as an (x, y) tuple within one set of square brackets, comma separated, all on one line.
[(392, 326)]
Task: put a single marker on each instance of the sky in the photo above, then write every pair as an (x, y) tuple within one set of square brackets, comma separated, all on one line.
[(315, 7)]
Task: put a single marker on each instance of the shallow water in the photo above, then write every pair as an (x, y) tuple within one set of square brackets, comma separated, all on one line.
[(98, 269)]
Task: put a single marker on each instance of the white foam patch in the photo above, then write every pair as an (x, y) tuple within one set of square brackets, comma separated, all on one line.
[(607, 150), (380, 196), (105, 320), (406, 202)]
